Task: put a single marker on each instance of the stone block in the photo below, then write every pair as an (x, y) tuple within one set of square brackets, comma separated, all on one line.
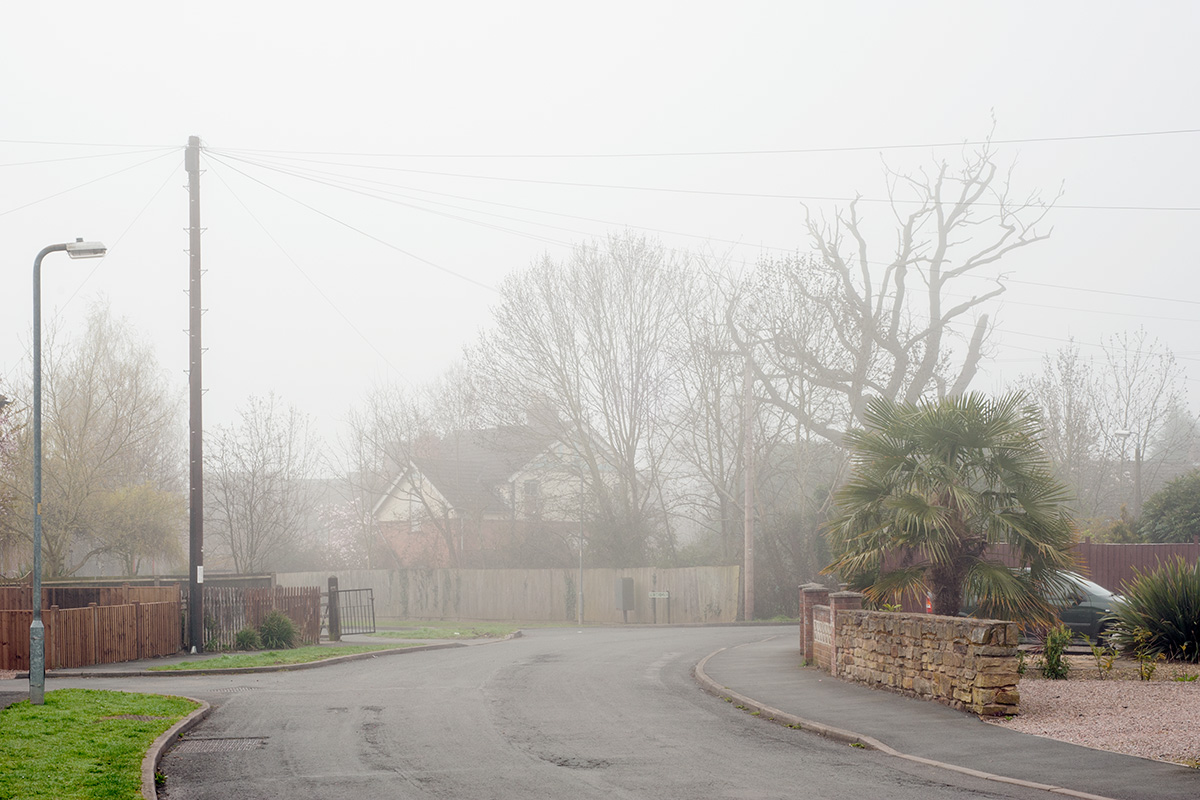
[(992, 679), (990, 650), (977, 633)]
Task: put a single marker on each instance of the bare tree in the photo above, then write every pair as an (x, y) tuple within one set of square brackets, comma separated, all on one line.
[(843, 327), (1140, 394), (258, 474), (1067, 392), (586, 341), (385, 433), (1115, 429), (110, 423)]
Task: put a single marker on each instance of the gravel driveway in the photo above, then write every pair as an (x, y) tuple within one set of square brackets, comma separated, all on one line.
[(1157, 719)]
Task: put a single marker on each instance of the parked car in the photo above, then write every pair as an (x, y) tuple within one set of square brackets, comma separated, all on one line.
[(1085, 607)]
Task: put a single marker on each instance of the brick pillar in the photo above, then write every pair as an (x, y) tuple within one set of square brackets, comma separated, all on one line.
[(840, 601), (811, 594)]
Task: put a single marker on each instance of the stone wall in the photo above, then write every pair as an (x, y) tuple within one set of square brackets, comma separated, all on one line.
[(969, 664), (965, 663)]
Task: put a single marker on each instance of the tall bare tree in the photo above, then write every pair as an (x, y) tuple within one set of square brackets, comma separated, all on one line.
[(258, 479), (586, 341), (110, 422), (827, 330)]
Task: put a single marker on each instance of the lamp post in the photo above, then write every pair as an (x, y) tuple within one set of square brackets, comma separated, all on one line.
[(37, 631)]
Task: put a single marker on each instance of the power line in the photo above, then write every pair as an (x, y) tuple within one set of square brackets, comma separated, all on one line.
[(88, 144), (746, 195), (359, 231), (82, 158), (100, 261), (608, 223), (86, 183), (299, 172), (349, 187), (306, 276), (783, 151)]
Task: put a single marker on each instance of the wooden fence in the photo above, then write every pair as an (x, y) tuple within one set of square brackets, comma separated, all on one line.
[(1109, 564), (21, 597), (697, 594), (94, 634), (1113, 565), (228, 609)]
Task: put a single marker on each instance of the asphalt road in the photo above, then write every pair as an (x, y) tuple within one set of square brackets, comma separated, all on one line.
[(599, 713)]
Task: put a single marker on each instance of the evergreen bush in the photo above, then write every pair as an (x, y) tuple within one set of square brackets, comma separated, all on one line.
[(277, 631), (1160, 613), (248, 639)]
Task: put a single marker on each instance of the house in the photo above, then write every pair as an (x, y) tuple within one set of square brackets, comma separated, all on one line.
[(497, 497)]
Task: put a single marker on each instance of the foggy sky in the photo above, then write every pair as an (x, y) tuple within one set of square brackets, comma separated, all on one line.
[(316, 307)]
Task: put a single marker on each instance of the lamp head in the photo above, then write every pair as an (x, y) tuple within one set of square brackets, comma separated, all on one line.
[(81, 249)]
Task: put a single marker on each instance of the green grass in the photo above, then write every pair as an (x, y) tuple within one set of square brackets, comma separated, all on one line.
[(456, 630), (68, 748), (274, 658)]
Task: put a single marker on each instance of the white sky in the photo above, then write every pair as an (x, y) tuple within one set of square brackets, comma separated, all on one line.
[(323, 311)]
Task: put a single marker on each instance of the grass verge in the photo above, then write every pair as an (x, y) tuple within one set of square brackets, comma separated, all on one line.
[(82, 743), (273, 658), (458, 630)]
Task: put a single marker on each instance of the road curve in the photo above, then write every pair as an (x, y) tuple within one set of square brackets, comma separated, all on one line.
[(559, 713)]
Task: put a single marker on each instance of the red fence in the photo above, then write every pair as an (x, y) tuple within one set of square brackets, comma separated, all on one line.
[(77, 637), (21, 597), (1112, 565), (228, 609), (1108, 564)]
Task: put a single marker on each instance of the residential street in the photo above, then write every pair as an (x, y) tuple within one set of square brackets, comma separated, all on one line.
[(558, 713)]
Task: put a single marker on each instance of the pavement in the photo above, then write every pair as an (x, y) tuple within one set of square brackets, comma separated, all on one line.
[(767, 677)]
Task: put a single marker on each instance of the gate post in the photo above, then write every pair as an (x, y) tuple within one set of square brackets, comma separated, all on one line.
[(331, 607)]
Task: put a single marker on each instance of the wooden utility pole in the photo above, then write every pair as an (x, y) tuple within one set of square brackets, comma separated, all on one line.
[(196, 395), (748, 499)]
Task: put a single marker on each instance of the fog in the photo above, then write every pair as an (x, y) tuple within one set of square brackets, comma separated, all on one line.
[(373, 173)]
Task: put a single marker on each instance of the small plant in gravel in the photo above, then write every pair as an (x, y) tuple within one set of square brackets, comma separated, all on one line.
[(1145, 653), (277, 631), (248, 639), (1054, 662), (1105, 654)]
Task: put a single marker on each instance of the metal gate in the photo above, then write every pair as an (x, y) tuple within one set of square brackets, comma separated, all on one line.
[(349, 611)]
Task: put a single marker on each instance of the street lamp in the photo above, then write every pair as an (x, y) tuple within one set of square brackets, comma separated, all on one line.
[(37, 631)]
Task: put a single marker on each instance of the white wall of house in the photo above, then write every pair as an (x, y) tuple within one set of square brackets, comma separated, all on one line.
[(414, 500)]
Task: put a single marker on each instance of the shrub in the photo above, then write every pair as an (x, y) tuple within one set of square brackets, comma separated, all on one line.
[(1054, 665), (277, 631), (1161, 613), (248, 639)]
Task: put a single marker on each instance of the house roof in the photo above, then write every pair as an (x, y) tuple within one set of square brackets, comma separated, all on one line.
[(471, 469)]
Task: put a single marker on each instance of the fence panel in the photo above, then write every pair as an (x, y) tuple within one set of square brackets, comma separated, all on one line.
[(78, 637), (1113, 565), (159, 629), (228, 609), (14, 638), (71, 637), (698, 594)]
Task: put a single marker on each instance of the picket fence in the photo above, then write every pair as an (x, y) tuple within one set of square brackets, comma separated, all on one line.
[(228, 609)]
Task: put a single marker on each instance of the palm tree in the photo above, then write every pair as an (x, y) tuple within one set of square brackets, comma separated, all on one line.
[(933, 486)]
